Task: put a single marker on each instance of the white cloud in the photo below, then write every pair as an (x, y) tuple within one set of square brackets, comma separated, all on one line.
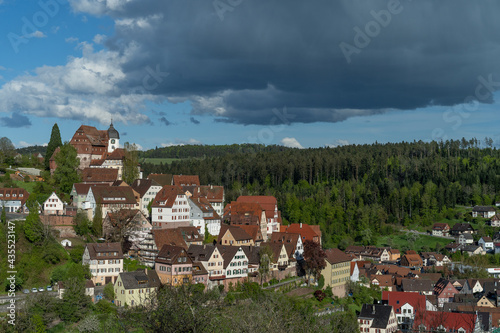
[(2, 68), (71, 40), (179, 142), (22, 144), (98, 39), (291, 143), (37, 34), (338, 143)]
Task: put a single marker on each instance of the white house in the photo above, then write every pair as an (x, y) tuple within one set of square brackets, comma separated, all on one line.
[(53, 205), (105, 261), (170, 208), (66, 243), (465, 239), (235, 261), (202, 215), (13, 199), (483, 211), (486, 243), (147, 189)]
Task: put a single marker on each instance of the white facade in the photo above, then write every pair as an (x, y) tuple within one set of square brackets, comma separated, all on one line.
[(148, 197), (486, 245), (103, 270), (53, 205), (463, 239), (166, 217), (238, 267)]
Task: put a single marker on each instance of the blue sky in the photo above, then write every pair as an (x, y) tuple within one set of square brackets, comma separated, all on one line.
[(185, 72)]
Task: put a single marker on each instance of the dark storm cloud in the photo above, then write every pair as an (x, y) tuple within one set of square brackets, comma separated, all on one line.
[(194, 120), (325, 60), (165, 121), (15, 121)]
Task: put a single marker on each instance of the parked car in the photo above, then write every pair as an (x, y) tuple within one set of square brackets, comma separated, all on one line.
[(40, 289), (34, 290), (49, 288), (26, 291)]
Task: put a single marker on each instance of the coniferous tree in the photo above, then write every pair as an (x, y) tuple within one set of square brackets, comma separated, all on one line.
[(97, 221), (67, 162), (55, 141)]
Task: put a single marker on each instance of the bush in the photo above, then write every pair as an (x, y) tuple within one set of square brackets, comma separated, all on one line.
[(328, 292), (273, 281), (109, 291), (320, 295), (321, 282), (105, 307)]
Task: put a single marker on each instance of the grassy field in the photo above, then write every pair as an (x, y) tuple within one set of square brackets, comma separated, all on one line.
[(27, 186), (157, 161), (423, 242)]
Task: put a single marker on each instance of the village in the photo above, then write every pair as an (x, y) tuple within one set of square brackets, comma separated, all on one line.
[(185, 232)]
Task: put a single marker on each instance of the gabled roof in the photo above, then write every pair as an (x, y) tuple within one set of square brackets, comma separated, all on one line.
[(203, 204), (440, 226), (253, 231), (243, 213), (186, 180), (420, 285), (167, 195), (443, 284), (123, 215), (335, 256), (164, 237), (211, 192), (161, 178), (398, 298), (275, 248), (284, 237), (83, 189), (228, 253), (268, 203), (170, 253), (14, 194), (140, 279), (142, 186), (198, 269), (238, 233), (483, 209), (467, 236), (384, 280), (114, 195), (460, 227), (252, 253), (450, 320), (380, 314), (117, 154), (307, 232), (102, 251), (487, 239), (99, 175), (201, 252)]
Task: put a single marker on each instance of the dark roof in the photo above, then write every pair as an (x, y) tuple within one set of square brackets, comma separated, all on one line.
[(106, 250), (211, 192), (161, 178), (238, 233), (200, 252), (140, 279), (228, 253), (142, 186), (169, 254), (112, 132), (198, 269), (411, 285), (483, 209), (462, 227), (335, 256), (379, 313), (114, 195), (186, 180), (168, 237), (252, 253)]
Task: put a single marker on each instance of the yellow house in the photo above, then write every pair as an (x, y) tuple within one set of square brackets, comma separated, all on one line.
[(337, 271), (135, 288), (234, 236), (173, 266), (485, 303)]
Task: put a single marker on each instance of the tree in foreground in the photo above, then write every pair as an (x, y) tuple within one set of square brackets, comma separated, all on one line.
[(33, 227), (75, 304), (315, 259), (7, 150), (265, 258), (67, 162), (130, 163), (55, 141)]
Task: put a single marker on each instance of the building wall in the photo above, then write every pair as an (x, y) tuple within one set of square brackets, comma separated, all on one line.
[(178, 215), (336, 276)]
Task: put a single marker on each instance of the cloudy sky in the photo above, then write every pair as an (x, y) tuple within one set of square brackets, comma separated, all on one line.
[(298, 73)]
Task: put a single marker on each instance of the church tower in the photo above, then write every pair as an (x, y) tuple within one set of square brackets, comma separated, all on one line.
[(114, 138)]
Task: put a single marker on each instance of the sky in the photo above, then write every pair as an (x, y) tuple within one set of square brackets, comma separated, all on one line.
[(295, 73)]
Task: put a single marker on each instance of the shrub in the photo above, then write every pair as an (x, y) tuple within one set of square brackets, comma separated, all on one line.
[(321, 282), (320, 295)]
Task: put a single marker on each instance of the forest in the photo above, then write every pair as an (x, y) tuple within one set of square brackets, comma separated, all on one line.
[(356, 192)]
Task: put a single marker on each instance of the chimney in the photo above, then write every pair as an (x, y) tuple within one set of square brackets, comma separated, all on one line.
[(300, 225)]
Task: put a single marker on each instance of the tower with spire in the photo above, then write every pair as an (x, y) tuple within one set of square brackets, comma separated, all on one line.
[(114, 138)]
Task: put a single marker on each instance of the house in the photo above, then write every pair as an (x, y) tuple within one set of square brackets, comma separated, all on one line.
[(374, 253), (200, 274), (105, 261), (99, 176), (405, 306), (411, 260), (486, 243), (114, 160), (203, 216), (473, 250), (234, 236), (495, 221), (270, 205), (461, 228), (483, 211), (452, 247), (14, 200), (92, 144), (337, 271), (253, 255), (423, 286), (280, 259), (306, 231), (289, 238), (434, 259), (376, 318), (79, 194), (486, 303), (136, 288), (110, 198), (440, 229), (497, 247), (246, 214), (66, 243), (211, 259), (441, 321), (186, 180), (53, 205), (254, 232), (214, 195), (394, 255), (89, 289), (170, 208), (465, 239), (147, 190), (127, 224), (445, 291), (161, 178), (235, 264), (384, 282), (173, 266)]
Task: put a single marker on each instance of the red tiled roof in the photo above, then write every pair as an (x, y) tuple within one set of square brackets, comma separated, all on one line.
[(335, 256), (268, 203), (212, 193), (162, 179), (450, 321), (167, 195), (307, 232), (239, 234), (14, 194), (186, 180), (399, 298), (99, 175)]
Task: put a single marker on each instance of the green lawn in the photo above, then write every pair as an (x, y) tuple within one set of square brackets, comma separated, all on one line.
[(423, 241), (157, 161), (27, 186)]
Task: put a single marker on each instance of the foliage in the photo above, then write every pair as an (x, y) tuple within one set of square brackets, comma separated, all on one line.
[(70, 270), (319, 295), (315, 258), (130, 265), (67, 162), (89, 324), (75, 304), (55, 141), (3, 216), (33, 227), (97, 221), (82, 224), (76, 253), (7, 151), (109, 291), (265, 261), (321, 282), (130, 163)]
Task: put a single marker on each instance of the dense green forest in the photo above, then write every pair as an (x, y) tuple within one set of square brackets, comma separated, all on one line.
[(356, 192)]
